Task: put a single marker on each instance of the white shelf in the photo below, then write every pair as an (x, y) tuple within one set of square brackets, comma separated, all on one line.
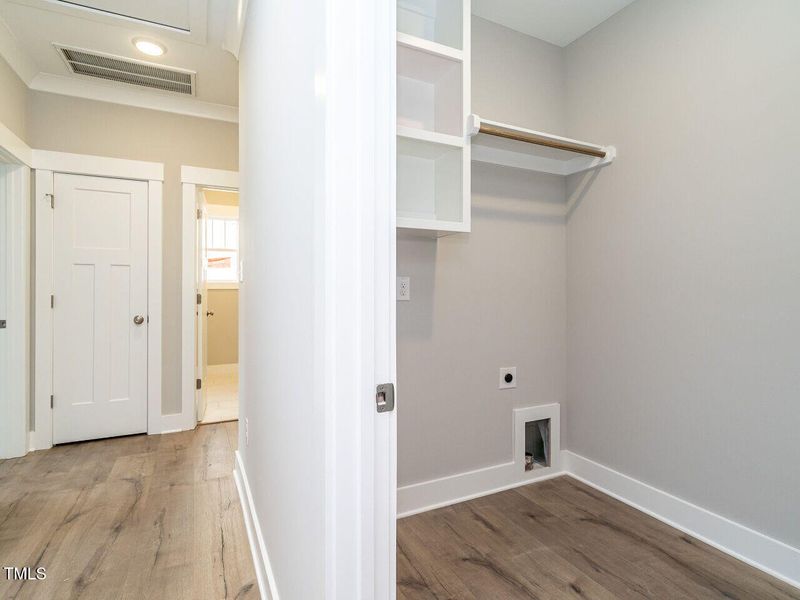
[(430, 136), (440, 21), (430, 185), (433, 102), (434, 48), (430, 223), (534, 156), (429, 91)]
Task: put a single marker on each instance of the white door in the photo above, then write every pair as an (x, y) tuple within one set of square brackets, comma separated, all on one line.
[(201, 309), (100, 308)]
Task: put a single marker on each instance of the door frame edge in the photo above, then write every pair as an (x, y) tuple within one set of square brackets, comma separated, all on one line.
[(191, 179)]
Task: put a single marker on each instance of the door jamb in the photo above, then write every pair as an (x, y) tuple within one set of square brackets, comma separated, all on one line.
[(46, 164), (191, 179), (16, 387)]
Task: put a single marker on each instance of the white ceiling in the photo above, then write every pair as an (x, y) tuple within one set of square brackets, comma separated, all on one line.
[(559, 22), (193, 31)]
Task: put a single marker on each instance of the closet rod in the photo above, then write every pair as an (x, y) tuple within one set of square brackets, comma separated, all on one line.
[(541, 140)]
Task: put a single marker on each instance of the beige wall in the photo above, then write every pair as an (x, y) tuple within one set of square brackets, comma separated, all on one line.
[(494, 297), (684, 256), (13, 101), (223, 327), (83, 126)]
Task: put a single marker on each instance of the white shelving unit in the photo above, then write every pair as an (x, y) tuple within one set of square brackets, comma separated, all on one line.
[(511, 146), (433, 103)]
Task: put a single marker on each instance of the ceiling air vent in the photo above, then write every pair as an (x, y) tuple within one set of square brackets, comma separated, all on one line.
[(125, 70)]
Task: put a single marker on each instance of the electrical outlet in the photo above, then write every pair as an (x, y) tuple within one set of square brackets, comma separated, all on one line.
[(404, 289), (508, 378), (246, 432)]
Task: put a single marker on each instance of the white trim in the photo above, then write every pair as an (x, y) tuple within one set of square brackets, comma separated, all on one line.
[(188, 297), (213, 178), (47, 164), (97, 166), (155, 260), (13, 149), (42, 434), (15, 383), (756, 549), (452, 489), (80, 87), (192, 178), (445, 491), (263, 567)]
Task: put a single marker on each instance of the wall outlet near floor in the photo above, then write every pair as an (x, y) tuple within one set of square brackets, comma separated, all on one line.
[(404, 289), (246, 432), (508, 378)]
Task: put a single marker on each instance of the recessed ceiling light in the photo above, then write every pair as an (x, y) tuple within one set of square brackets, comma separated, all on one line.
[(149, 47)]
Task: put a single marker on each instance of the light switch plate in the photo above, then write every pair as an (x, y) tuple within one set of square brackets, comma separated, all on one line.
[(404, 289), (507, 385)]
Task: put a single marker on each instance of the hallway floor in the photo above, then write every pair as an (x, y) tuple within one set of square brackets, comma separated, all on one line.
[(222, 394), (562, 539), (139, 517)]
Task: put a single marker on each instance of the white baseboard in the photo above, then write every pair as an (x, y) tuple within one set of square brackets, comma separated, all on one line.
[(452, 489), (436, 493), (263, 568), (762, 552)]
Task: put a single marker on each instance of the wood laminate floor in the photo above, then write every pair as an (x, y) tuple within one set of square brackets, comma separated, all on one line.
[(140, 517), (562, 539)]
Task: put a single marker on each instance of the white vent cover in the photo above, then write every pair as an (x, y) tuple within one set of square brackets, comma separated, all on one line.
[(126, 70)]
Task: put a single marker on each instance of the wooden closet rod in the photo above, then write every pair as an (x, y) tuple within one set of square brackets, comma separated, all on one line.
[(541, 141)]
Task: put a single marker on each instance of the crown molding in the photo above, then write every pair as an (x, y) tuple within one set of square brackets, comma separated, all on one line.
[(91, 90)]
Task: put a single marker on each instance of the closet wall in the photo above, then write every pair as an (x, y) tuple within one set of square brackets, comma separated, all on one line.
[(684, 256), (494, 297)]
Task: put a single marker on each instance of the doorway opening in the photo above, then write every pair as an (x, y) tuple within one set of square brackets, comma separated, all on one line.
[(219, 275)]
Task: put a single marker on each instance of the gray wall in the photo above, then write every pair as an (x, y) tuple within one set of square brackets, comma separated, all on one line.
[(13, 101), (684, 256), (223, 327), (87, 127), (488, 299)]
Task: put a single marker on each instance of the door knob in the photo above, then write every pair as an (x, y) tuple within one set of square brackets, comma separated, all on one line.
[(210, 313), (138, 319)]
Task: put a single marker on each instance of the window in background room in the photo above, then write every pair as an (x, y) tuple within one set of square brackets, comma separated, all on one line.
[(222, 235)]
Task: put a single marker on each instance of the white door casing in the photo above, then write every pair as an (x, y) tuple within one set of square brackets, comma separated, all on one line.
[(201, 319), (100, 287)]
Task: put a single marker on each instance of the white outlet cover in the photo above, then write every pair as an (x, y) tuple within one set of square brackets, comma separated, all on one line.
[(503, 384), (404, 289)]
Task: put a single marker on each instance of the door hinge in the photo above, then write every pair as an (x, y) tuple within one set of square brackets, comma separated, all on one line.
[(52, 199), (199, 214), (51, 400), (199, 384), (52, 301), (199, 298), (384, 397)]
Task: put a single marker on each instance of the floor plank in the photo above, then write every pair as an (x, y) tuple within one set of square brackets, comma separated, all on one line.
[(139, 517), (563, 539)]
